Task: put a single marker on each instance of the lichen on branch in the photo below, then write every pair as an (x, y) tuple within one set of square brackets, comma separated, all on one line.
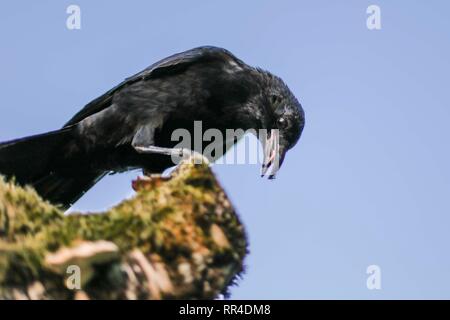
[(176, 238)]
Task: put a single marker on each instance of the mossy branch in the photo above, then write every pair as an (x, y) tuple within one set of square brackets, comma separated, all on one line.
[(176, 238)]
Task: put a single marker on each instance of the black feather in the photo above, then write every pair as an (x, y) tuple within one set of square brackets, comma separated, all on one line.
[(207, 84)]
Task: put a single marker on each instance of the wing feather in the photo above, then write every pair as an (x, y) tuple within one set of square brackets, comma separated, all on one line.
[(170, 65)]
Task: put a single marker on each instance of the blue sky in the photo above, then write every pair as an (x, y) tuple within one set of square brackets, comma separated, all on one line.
[(369, 182)]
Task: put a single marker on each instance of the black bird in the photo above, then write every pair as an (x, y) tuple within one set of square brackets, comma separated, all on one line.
[(130, 126)]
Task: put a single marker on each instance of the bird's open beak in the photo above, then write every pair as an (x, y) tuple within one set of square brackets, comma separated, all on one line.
[(273, 154)]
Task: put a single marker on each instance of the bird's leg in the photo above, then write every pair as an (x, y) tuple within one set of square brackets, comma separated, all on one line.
[(181, 153), (177, 152), (155, 179), (143, 142), (150, 180)]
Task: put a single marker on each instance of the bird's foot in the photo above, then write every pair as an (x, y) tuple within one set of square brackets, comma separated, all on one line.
[(148, 181), (177, 154)]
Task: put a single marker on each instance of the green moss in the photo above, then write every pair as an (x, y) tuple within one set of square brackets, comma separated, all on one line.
[(171, 219)]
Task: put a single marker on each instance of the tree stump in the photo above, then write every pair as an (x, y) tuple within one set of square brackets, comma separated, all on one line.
[(177, 238)]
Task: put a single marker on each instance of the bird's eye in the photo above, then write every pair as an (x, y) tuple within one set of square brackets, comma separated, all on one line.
[(275, 99), (281, 122)]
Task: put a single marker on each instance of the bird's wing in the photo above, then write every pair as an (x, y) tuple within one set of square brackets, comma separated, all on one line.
[(170, 65)]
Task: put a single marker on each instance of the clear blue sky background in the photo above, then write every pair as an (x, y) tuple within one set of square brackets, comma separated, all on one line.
[(369, 182)]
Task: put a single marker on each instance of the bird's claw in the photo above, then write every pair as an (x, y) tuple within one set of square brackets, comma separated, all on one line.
[(177, 154), (148, 181)]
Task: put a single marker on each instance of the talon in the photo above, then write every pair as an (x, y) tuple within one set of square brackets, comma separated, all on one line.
[(149, 180), (140, 182)]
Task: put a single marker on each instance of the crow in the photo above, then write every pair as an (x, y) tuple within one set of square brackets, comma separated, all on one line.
[(130, 126)]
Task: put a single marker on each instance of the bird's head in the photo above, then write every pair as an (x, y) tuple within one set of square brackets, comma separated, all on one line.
[(284, 120)]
